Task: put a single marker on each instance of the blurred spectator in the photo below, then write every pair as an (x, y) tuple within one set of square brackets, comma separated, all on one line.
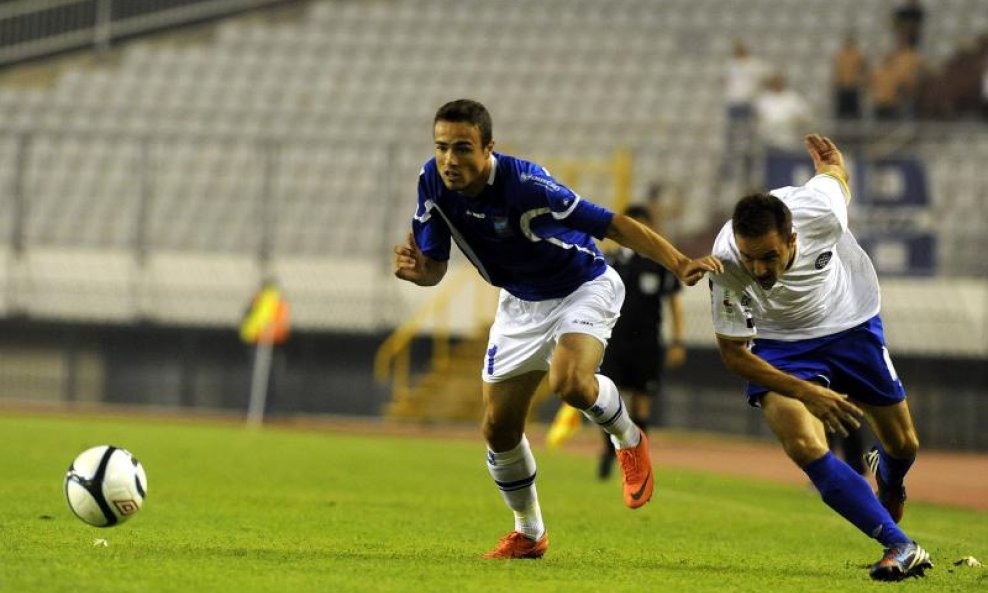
[(886, 101), (850, 78), (744, 78), (907, 23), (896, 84), (782, 115), (958, 88), (909, 73)]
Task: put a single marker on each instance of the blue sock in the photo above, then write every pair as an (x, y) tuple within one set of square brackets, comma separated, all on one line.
[(892, 470), (850, 495)]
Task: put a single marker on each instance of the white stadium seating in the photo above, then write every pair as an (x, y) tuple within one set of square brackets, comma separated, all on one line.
[(315, 129)]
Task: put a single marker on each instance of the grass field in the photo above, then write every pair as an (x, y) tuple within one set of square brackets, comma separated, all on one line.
[(233, 510)]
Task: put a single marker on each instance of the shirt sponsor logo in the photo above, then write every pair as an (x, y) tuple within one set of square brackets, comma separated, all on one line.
[(823, 259), (475, 214), (545, 182)]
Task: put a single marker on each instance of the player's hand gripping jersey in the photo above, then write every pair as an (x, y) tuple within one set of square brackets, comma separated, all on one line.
[(830, 287), (526, 232)]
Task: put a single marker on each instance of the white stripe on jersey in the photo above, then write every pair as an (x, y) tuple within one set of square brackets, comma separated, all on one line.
[(525, 222), (562, 215), (460, 241), (565, 245), (429, 205)]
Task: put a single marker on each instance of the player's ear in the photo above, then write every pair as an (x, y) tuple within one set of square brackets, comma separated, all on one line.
[(792, 240), (489, 148)]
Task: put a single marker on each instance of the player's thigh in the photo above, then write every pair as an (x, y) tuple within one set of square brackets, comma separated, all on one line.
[(506, 405), (575, 360), (893, 425), (800, 432)]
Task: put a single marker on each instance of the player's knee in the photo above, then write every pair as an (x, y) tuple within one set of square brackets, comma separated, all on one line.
[(501, 436), (573, 388), (803, 450), (906, 446)]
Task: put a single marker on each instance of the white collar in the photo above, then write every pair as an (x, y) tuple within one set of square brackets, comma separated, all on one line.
[(490, 178)]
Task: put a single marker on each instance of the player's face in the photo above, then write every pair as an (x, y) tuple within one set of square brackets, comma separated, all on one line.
[(463, 162), (766, 257)]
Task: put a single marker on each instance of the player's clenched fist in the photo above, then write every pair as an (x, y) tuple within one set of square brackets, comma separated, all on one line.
[(412, 264), (409, 260)]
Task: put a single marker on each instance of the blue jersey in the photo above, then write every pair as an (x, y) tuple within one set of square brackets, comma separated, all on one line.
[(525, 233)]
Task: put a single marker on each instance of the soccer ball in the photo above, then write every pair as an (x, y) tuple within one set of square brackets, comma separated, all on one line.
[(105, 486)]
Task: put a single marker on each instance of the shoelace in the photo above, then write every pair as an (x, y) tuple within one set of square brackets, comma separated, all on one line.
[(629, 461)]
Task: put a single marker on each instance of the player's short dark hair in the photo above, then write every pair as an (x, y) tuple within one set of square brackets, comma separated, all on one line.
[(471, 112), (638, 212), (758, 214)]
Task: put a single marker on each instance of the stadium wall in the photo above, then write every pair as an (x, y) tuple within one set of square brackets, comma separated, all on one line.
[(208, 369)]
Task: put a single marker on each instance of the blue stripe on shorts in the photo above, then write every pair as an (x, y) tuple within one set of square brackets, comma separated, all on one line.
[(853, 362)]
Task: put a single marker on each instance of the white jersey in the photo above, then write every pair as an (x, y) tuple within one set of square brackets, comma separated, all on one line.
[(830, 287)]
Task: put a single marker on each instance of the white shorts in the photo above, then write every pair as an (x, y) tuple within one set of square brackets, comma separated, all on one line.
[(525, 333)]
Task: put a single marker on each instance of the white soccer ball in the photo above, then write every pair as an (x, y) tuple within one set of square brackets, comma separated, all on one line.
[(105, 486)]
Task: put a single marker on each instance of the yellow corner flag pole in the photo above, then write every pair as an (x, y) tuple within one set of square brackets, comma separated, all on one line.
[(260, 379)]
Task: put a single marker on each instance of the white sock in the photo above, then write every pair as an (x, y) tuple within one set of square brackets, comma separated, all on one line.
[(514, 475), (610, 413)]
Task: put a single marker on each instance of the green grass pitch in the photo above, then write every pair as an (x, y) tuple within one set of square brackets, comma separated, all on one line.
[(230, 509)]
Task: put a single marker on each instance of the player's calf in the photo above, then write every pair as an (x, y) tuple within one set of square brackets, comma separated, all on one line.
[(892, 498)]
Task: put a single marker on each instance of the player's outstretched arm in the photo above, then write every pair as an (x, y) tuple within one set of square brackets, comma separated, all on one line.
[(832, 408), (630, 233), (413, 265)]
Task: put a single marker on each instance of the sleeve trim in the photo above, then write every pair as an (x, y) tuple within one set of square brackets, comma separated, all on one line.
[(843, 184), (736, 338)]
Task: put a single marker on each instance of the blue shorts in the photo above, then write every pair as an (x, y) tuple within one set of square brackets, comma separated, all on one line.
[(854, 362)]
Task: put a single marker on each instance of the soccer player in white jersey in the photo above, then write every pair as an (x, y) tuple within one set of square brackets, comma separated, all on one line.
[(532, 237), (796, 313)]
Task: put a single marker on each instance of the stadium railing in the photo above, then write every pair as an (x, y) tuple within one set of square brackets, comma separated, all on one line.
[(35, 28)]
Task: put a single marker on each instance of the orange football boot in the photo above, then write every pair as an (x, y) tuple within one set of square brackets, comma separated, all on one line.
[(518, 545), (636, 467)]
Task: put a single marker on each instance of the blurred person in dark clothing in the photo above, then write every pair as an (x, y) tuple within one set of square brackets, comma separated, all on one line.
[(637, 354), (907, 22), (850, 79)]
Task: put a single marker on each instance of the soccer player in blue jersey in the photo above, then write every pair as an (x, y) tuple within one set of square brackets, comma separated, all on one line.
[(532, 237), (796, 312)]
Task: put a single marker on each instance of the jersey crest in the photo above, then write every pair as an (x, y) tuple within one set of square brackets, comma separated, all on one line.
[(501, 226)]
